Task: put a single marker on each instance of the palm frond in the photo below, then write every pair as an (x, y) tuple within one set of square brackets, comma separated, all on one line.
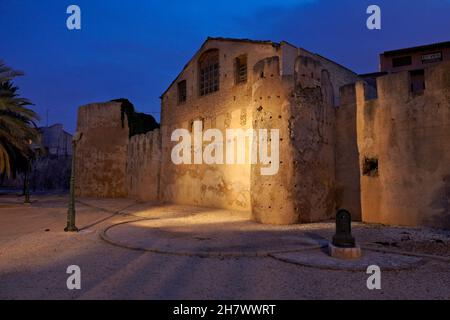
[(17, 125)]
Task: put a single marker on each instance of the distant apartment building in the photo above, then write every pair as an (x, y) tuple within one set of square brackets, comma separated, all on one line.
[(52, 167), (414, 60), (56, 141)]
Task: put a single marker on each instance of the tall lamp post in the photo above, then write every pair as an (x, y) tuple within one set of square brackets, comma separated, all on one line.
[(26, 182), (71, 211), (26, 190)]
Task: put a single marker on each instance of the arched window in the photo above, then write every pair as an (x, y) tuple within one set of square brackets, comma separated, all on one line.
[(208, 70)]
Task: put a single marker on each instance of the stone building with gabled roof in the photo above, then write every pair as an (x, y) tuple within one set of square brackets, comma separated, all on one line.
[(241, 83)]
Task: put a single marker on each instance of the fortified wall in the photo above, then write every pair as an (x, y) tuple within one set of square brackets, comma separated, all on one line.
[(111, 162), (143, 168), (404, 150), (380, 151), (101, 155), (347, 171), (289, 89), (301, 106), (285, 88)]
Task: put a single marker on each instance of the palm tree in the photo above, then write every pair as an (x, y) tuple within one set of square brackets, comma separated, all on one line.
[(17, 126)]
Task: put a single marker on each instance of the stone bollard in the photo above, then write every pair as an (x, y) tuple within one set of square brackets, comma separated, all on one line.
[(343, 245)]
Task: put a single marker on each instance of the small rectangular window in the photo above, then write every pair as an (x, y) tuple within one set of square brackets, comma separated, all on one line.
[(401, 61), (241, 69), (182, 91)]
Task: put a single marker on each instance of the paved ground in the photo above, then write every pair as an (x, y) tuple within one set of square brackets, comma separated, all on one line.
[(214, 254)]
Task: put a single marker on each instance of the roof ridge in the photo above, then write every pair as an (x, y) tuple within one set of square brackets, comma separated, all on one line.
[(243, 40)]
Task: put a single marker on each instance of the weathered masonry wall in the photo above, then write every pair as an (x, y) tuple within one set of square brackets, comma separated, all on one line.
[(382, 153), (346, 154), (288, 89), (404, 150), (223, 186), (143, 166), (102, 152), (301, 107), (339, 75)]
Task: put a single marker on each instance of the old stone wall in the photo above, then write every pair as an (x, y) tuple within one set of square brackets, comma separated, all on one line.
[(216, 185), (101, 156), (404, 150), (144, 165), (346, 154), (285, 90), (339, 75), (301, 107)]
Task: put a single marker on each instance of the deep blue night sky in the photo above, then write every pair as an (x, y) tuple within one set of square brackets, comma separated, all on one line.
[(135, 48)]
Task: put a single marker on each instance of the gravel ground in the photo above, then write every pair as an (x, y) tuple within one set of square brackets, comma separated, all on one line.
[(35, 253)]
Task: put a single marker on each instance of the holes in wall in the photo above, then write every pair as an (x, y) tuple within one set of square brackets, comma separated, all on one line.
[(370, 167)]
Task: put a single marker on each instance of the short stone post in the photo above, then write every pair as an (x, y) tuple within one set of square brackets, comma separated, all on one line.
[(343, 245)]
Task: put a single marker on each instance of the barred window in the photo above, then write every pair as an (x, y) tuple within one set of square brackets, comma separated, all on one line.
[(209, 72), (182, 94), (241, 69)]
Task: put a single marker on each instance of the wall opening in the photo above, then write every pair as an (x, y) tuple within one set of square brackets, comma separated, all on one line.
[(417, 81), (241, 69), (401, 61), (182, 92), (370, 167)]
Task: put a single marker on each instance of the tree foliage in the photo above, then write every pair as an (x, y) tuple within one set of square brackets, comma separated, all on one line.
[(18, 131)]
